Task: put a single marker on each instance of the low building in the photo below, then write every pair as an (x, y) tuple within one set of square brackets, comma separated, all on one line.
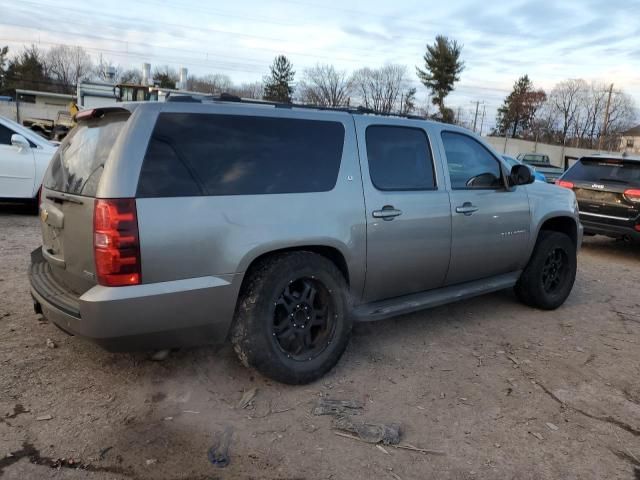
[(630, 140), (44, 98)]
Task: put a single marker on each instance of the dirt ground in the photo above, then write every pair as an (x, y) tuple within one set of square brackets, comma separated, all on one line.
[(503, 391)]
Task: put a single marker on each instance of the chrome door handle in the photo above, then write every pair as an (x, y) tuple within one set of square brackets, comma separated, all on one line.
[(387, 213), (467, 208)]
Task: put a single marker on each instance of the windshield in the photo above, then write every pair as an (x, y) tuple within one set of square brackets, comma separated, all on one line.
[(603, 170), (78, 163), (535, 159)]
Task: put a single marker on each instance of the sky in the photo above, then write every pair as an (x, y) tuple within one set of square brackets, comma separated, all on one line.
[(548, 40)]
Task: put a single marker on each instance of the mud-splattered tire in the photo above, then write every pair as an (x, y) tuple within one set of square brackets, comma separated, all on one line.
[(292, 321), (547, 280)]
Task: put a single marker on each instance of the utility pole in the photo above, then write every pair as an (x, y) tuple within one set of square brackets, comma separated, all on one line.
[(475, 118), (484, 111), (603, 134)]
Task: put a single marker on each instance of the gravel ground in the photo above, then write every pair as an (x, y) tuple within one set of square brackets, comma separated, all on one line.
[(503, 391)]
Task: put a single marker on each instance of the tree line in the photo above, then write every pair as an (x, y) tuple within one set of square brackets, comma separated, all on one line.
[(386, 89), (574, 113)]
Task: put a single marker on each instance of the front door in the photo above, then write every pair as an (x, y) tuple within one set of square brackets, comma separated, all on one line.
[(490, 222), (407, 208), (17, 168)]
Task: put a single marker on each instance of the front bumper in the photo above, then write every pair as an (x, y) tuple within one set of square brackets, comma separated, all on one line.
[(157, 315)]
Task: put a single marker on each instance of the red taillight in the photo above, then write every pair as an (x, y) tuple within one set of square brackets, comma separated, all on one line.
[(633, 195), (116, 243), (564, 183)]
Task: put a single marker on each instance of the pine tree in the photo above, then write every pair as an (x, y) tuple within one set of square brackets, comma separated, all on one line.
[(278, 85), (442, 70), (519, 108)]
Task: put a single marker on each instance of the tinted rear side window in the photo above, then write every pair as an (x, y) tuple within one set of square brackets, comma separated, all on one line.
[(207, 154), (603, 170), (399, 158), (78, 163)]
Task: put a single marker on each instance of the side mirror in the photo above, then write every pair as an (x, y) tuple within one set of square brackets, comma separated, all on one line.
[(521, 175), (19, 141)]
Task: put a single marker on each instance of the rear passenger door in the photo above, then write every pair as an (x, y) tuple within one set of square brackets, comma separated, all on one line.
[(407, 209), (490, 222)]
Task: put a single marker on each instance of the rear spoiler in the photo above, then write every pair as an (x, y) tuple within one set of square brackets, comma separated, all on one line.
[(98, 113)]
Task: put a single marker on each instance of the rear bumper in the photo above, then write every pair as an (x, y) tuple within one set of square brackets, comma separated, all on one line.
[(157, 315), (593, 226)]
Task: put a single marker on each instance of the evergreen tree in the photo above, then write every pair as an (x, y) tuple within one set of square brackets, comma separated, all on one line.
[(442, 70), (278, 85), (518, 111), (28, 71)]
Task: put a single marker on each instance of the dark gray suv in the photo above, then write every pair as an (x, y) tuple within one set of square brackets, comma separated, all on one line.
[(277, 227)]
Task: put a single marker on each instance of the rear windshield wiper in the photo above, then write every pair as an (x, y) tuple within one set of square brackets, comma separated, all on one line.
[(62, 197)]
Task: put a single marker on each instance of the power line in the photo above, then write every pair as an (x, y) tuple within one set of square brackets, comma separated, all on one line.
[(93, 15)]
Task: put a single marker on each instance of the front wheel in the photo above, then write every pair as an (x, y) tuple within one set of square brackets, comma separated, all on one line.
[(292, 322), (547, 280)]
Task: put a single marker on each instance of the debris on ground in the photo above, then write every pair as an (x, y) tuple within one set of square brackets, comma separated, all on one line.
[(388, 434), (44, 417), (513, 359), (537, 435), (247, 398), (151, 461), (103, 452), (551, 426), (218, 454), (327, 406), (160, 355), (51, 343), (401, 446)]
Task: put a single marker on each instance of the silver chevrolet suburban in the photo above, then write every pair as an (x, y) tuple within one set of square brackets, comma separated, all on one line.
[(276, 227)]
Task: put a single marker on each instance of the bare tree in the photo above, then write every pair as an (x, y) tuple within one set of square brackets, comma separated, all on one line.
[(622, 116), (213, 84), (67, 65), (325, 86), (380, 89), (253, 90), (565, 101), (107, 71), (131, 76)]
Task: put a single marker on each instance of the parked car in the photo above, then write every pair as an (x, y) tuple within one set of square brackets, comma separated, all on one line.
[(24, 157), (277, 227), (541, 163), (539, 176), (608, 193)]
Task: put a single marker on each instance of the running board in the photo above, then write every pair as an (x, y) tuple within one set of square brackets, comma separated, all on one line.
[(370, 312)]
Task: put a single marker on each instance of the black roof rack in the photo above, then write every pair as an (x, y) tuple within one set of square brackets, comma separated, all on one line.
[(226, 97)]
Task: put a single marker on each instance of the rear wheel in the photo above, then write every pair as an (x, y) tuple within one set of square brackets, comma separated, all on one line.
[(292, 322), (548, 278)]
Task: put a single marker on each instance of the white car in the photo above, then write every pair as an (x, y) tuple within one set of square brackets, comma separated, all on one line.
[(24, 157)]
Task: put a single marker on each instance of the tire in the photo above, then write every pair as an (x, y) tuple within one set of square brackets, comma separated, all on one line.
[(269, 333), (539, 286)]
